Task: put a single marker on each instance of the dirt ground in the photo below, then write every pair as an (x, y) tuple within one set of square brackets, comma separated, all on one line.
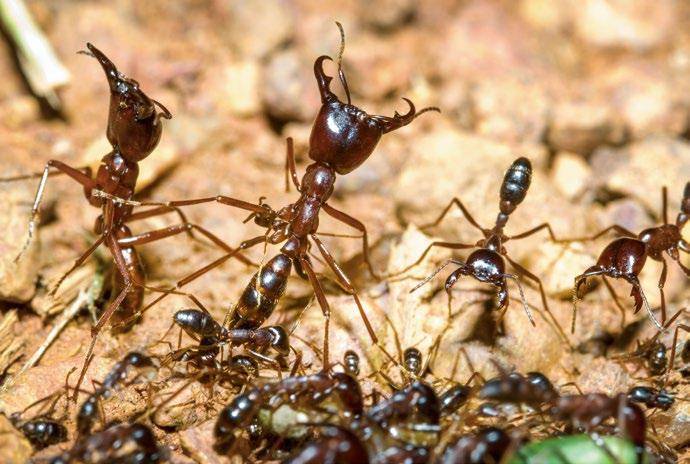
[(594, 92)]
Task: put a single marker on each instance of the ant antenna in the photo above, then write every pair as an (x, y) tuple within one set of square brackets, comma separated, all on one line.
[(428, 108), (433, 274), (341, 74), (522, 297)]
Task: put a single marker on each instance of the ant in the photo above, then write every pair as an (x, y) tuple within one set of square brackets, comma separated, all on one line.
[(125, 443), (625, 257), (89, 410), (308, 391), (651, 397), (134, 129), (533, 389), (42, 430), (200, 324), (489, 444), (487, 262), (342, 138), (591, 410)]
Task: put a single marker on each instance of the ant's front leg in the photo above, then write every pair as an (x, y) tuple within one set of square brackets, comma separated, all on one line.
[(290, 169)]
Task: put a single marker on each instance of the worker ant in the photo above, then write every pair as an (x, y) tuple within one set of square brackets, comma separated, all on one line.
[(487, 262), (625, 257)]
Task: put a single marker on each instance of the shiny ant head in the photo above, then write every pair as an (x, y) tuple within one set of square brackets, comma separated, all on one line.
[(134, 127), (343, 135), (684, 213)]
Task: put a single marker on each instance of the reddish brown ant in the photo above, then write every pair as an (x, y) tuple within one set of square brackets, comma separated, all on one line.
[(625, 257), (124, 443), (490, 444), (487, 262), (134, 130), (342, 138), (533, 389)]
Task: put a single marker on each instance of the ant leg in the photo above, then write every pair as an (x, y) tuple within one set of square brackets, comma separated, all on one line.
[(74, 173), (673, 349), (450, 245), (455, 201), (222, 199), (616, 300), (664, 204), (345, 283), (638, 294), (199, 272), (159, 234), (536, 229), (617, 228), (522, 271), (355, 224), (158, 211), (110, 310), (290, 169), (662, 282), (78, 262), (323, 302)]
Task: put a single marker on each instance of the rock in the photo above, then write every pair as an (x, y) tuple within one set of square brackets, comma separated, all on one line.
[(563, 263), (14, 448), (389, 13), (240, 88), (601, 375), (627, 170), (673, 426), (580, 127), (288, 90), (256, 27), (550, 15), (18, 278), (510, 110), (571, 175), (639, 25), (198, 442)]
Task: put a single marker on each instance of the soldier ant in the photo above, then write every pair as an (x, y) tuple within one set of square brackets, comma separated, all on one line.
[(625, 257), (133, 130), (487, 262), (342, 138)]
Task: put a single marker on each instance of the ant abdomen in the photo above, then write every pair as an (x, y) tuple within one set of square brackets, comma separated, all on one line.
[(515, 184), (259, 299), (197, 323)]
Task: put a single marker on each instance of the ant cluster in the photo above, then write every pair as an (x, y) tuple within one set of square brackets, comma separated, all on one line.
[(324, 417)]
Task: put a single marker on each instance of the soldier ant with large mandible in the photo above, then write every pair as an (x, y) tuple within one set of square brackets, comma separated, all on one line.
[(487, 262), (134, 130), (342, 138), (625, 257)]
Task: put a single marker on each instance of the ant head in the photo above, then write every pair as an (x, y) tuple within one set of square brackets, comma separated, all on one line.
[(344, 135), (351, 363), (134, 127), (413, 360), (137, 359)]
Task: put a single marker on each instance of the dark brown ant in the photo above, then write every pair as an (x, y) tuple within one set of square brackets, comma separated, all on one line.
[(41, 430), (119, 443), (334, 445), (452, 399), (625, 257), (533, 389), (307, 391), (133, 130), (488, 445), (651, 397), (200, 324), (89, 411), (487, 262), (591, 410), (342, 138)]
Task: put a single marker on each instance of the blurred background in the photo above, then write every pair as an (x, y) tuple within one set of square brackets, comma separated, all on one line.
[(595, 92)]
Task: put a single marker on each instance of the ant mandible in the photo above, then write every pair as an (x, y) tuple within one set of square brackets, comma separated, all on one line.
[(486, 263), (625, 257), (343, 137), (133, 130)]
